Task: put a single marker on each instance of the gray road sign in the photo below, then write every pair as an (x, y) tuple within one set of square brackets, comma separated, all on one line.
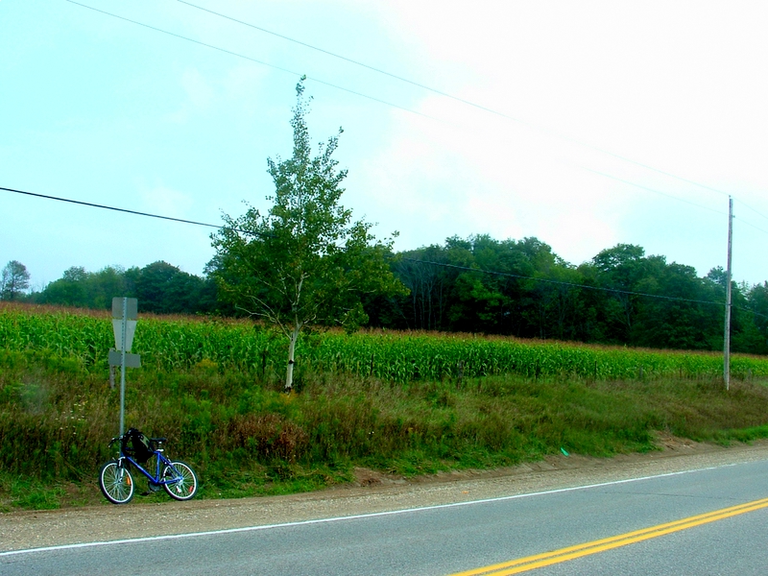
[(131, 360), (131, 308)]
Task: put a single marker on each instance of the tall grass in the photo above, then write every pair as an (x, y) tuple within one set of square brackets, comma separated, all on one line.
[(400, 403)]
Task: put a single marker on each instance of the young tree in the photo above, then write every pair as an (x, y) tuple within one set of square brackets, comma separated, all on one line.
[(305, 262), (14, 280)]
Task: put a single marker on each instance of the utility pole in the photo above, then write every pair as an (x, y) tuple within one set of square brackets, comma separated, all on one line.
[(727, 345)]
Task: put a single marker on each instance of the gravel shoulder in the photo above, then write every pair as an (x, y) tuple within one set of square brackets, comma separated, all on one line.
[(372, 493)]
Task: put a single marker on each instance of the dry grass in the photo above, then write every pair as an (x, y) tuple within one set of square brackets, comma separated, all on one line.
[(231, 421)]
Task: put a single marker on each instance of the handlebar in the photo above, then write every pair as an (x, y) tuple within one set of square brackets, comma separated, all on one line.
[(157, 441)]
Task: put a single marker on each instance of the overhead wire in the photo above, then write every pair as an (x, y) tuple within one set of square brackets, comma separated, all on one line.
[(649, 189), (536, 127), (432, 263), (355, 62), (420, 85), (751, 225), (397, 106), (577, 285), (478, 106), (105, 207), (245, 57), (753, 209)]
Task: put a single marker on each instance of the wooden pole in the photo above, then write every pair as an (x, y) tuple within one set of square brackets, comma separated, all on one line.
[(727, 344)]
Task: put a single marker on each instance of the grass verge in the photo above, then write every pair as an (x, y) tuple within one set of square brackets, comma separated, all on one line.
[(244, 437)]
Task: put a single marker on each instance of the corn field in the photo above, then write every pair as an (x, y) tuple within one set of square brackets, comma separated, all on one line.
[(407, 403), (180, 343)]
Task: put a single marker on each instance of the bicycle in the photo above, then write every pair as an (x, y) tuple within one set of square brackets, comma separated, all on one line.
[(116, 481)]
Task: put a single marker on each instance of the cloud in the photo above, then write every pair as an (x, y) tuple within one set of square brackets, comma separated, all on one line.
[(198, 97)]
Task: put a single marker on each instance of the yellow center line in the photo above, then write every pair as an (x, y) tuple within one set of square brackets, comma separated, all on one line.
[(580, 550)]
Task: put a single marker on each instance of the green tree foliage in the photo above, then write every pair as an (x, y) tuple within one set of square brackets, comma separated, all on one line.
[(160, 288), (14, 281), (305, 262), (621, 296), (164, 289), (451, 287), (75, 288), (478, 284), (754, 335)]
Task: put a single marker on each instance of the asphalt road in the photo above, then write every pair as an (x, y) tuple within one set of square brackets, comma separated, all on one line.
[(467, 536)]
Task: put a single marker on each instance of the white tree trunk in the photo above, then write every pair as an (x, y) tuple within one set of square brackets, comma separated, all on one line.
[(291, 356)]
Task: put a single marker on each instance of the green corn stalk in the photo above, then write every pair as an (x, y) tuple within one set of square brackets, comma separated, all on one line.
[(397, 357)]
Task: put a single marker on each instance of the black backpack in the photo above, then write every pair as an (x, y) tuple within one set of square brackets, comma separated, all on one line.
[(136, 445)]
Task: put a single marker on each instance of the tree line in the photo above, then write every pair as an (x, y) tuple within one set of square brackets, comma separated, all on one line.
[(621, 296), (161, 288), (306, 262), (480, 285)]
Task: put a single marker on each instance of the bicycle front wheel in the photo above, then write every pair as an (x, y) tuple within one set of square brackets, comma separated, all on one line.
[(183, 482), (116, 483)]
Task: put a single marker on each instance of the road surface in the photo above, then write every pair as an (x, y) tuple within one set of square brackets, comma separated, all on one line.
[(703, 514)]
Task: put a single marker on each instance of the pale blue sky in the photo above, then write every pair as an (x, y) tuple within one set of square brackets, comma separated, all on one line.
[(101, 110)]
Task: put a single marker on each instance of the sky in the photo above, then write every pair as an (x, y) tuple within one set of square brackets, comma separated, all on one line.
[(583, 124)]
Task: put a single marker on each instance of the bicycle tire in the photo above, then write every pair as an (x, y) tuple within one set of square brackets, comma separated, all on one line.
[(116, 483), (186, 487)]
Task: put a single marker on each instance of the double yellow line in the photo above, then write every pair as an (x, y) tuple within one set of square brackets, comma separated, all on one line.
[(572, 552)]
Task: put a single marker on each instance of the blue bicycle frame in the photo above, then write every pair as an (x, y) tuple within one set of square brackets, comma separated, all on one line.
[(161, 460)]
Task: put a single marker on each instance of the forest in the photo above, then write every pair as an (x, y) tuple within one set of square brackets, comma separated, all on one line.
[(482, 285)]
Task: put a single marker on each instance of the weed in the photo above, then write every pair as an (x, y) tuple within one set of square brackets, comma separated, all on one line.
[(395, 403)]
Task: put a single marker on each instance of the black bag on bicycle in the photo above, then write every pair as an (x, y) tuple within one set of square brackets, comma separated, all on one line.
[(136, 445)]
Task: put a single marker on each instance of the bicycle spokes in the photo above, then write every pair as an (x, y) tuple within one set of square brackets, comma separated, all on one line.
[(116, 481)]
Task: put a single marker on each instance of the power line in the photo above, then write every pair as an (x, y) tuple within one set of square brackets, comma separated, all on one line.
[(105, 207), (423, 86), (630, 183), (372, 98), (562, 282), (455, 98), (577, 285), (249, 58), (753, 209), (751, 225), (481, 107), (352, 61), (441, 264)]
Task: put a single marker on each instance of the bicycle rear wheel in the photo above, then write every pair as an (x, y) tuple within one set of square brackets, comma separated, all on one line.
[(186, 486), (116, 482)]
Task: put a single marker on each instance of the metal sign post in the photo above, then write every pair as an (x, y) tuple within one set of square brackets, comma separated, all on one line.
[(124, 314)]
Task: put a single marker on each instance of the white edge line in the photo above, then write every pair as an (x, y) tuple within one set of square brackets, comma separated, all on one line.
[(356, 516)]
